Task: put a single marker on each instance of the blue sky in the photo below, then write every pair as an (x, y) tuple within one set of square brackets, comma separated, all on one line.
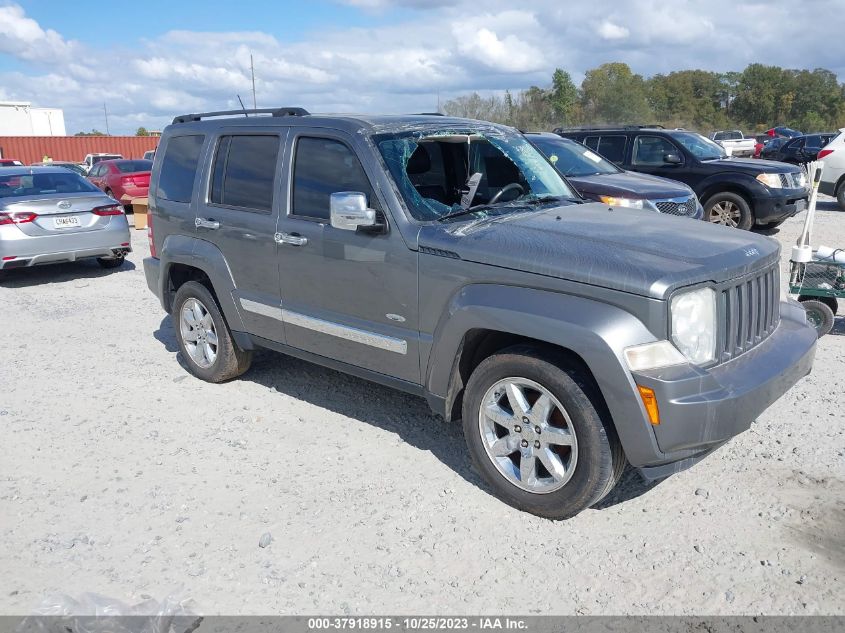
[(149, 61), (116, 23)]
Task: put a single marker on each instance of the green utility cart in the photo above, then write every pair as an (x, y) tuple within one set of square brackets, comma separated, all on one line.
[(819, 285)]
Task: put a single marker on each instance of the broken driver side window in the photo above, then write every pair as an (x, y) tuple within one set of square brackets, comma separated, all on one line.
[(441, 173)]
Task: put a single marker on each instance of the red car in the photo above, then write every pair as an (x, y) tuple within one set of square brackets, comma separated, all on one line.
[(122, 179), (10, 162)]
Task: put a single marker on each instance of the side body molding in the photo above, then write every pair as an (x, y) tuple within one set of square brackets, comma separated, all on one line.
[(597, 332)]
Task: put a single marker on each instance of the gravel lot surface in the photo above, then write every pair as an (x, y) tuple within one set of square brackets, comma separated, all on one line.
[(297, 489)]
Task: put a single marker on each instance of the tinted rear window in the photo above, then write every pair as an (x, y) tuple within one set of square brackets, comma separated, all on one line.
[(128, 166), (613, 148), (179, 167), (43, 184), (244, 172), (727, 136)]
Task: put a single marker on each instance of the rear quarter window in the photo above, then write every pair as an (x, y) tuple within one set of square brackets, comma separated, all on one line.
[(179, 167)]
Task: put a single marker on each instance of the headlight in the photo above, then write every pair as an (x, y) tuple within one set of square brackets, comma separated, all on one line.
[(694, 324), (770, 180), (622, 202), (801, 180)]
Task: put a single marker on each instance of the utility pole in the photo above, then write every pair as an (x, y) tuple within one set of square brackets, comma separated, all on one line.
[(106, 112), (252, 70)]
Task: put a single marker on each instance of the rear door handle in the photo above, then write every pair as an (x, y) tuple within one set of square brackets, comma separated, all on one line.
[(202, 223), (293, 239)]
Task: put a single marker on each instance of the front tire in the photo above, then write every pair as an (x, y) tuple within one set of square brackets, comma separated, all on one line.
[(204, 338), (729, 209), (535, 433)]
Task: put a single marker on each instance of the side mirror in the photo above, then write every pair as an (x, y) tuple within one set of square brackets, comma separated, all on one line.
[(672, 159), (349, 211)]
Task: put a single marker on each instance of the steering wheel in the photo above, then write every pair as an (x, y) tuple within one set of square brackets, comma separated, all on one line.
[(504, 190)]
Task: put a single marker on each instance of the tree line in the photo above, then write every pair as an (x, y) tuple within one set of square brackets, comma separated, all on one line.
[(753, 100)]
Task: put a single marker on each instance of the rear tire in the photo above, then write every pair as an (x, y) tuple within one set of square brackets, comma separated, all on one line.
[(579, 474), (729, 209), (819, 314), (840, 195), (111, 262), (204, 338)]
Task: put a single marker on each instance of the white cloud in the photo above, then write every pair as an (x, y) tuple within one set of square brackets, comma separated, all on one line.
[(24, 38), (448, 49), (610, 31), (501, 43)]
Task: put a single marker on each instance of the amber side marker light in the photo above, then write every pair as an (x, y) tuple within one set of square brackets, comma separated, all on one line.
[(650, 402)]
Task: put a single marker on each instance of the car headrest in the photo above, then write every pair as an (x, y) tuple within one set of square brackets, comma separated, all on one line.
[(419, 162), (42, 181)]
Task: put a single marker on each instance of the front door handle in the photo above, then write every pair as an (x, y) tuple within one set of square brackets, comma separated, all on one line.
[(294, 239), (202, 223)]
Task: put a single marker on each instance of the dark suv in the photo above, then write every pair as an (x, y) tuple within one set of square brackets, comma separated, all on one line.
[(798, 150), (735, 192), (449, 259)]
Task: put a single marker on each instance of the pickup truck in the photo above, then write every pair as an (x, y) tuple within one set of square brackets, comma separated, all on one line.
[(734, 142), (93, 159), (448, 258)]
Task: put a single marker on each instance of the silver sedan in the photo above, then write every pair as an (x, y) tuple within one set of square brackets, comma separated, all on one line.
[(50, 214)]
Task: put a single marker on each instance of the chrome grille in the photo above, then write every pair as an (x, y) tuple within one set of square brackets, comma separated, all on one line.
[(750, 312), (676, 206), (791, 181)]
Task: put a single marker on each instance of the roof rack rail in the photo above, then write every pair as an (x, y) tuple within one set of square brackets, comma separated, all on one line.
[(590, 128), (276, 112), (430, 114)]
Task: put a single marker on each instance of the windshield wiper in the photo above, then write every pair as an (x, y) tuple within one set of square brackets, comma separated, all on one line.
[(461, 212), (546, 199)]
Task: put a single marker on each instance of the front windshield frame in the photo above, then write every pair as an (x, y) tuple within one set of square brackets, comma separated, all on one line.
[(394, 149), (584, 154), (697, 145)]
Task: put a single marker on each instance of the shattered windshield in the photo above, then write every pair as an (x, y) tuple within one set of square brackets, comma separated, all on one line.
[(460, 172)]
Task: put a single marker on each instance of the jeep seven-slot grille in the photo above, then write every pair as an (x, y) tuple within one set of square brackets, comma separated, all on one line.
[(677, 206), (750, 312)]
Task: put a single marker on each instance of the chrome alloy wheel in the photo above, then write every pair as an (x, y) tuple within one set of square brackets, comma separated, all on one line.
[(528, 435), (198, 333), (725, 212)]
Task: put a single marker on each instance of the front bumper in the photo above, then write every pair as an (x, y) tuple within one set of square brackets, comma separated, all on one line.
[(700, 409), (784, 205)]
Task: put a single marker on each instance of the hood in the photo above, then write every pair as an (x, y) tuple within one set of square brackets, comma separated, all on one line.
[(753, 166), (629, 184), (624, 249)]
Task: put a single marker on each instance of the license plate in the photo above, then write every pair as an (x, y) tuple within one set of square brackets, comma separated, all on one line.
[(800, 205), (66, 223)]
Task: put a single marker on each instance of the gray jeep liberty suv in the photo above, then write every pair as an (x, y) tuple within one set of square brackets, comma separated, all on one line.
[(448, 258)]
